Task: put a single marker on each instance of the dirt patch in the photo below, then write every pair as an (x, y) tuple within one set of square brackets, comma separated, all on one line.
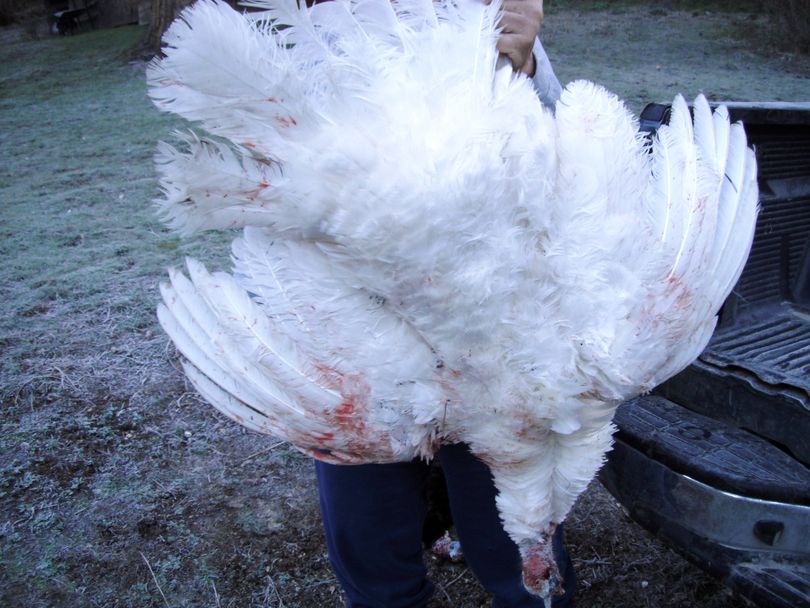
[(118, 487)]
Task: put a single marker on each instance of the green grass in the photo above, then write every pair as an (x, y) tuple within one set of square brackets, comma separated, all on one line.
[(80, 242), (84, 364)]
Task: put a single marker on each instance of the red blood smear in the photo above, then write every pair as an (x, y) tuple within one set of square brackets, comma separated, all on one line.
[(536, 569), (344, 409)]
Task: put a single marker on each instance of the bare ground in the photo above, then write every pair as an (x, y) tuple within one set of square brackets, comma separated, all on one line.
[(118, 487)]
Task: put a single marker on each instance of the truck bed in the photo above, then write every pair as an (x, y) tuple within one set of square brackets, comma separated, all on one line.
[(715, 462)]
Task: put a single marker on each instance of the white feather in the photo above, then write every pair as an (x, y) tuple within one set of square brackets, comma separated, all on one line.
[(435, 257)]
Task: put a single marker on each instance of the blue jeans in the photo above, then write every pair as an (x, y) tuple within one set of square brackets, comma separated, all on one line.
[(373, 516)]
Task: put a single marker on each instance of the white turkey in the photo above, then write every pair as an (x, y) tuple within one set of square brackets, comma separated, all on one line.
[(429, 255)]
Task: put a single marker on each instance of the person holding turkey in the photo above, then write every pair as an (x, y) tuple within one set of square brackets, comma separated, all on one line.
[(373, 513)]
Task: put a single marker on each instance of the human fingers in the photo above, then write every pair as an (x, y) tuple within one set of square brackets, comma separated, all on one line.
[(520, 22)]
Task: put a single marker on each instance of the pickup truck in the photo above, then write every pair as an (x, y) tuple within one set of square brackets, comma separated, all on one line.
[(715, 461)]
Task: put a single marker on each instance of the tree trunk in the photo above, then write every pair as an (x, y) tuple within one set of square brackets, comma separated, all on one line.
[(162, 14)]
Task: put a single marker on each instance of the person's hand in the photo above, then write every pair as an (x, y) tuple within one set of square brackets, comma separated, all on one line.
[(520, 22)]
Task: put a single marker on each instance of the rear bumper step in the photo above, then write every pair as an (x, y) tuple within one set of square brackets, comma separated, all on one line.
[(729, 501)]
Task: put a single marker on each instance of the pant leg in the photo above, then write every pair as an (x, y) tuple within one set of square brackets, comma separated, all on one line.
[(566, 568), (373, 516), (491, 554)]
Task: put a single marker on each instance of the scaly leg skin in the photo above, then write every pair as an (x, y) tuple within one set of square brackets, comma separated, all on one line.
[(540, 573)]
